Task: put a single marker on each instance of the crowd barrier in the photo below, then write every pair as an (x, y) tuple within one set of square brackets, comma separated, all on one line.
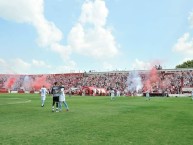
[(20, 92), (6, 91)]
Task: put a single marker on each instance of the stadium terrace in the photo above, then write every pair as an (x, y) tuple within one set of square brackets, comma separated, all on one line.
[(162, 82)]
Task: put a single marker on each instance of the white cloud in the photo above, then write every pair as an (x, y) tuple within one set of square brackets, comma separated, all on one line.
[(39, 64), (31, 12), (63, 51), (19, 66), (4, 67), (184, 45), (94, 12), (90, 35), (107, 66), (21, 10), (184, 60), (11, 66), (69, 68), (2, 62), (141, 65)]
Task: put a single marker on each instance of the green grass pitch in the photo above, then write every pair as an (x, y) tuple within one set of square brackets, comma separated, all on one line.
[(96, 121)]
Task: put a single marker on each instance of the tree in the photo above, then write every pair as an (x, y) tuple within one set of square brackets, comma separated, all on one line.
[(187, 64)]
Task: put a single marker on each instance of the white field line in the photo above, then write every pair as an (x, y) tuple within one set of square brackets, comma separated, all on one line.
[(20, 102)]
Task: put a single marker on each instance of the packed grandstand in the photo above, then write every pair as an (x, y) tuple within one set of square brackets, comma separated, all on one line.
[(126, 83)]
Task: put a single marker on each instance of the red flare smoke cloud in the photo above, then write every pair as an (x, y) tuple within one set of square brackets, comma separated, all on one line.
[(39, 82)]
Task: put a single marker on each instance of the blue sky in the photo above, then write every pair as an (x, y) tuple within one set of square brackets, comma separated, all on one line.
[(46, 36)]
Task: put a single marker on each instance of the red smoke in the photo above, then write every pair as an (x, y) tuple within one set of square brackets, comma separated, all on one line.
[(39, 82), (153, 79), (153, 76), (10, 82)]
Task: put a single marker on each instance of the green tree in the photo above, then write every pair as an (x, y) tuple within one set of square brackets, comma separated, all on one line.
[(186, 64)]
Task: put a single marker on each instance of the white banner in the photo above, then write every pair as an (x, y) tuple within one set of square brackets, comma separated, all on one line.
[(187, 89)]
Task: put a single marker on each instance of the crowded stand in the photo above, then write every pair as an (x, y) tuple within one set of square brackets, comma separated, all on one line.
[(124, 83)]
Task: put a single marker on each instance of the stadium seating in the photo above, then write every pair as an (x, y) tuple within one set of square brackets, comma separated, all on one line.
[(171, 81)]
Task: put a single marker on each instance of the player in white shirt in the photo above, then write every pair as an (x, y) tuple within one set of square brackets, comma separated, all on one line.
[(147, 95), (62, 98), (112, 94), (118, 93), (43, 92), (192, 94), (94, 92)]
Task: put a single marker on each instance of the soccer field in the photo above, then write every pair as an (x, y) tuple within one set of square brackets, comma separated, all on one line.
[(96, 121)]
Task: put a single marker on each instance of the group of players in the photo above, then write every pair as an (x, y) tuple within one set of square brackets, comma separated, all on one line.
[(58, 93)]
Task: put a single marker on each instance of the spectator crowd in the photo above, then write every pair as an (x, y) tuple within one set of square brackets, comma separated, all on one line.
[(170, 81)]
